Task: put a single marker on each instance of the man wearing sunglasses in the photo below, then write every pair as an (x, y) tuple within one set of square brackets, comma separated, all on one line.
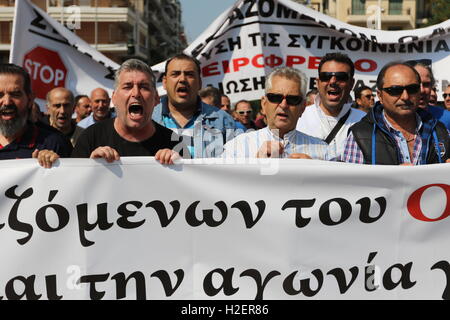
[(332, 115), (283, 103), (397, 131), (427, 83), (364, 98), (244, 114), (446, 96)]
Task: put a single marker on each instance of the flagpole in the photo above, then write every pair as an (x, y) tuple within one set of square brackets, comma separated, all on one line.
[(96, 25)]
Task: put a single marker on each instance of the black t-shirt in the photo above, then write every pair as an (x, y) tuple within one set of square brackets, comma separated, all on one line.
[(103, 134), (36, 137)]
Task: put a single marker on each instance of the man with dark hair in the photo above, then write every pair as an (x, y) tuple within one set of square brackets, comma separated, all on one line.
[(332, 115), (225, 103), (132, 132), (364, 98), (398, 131), (446, 96), (204, 128), (211, 96), (426, 84), (19, 138), (82, 107)]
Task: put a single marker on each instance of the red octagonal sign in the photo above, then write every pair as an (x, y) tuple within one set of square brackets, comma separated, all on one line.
[(46, 69)]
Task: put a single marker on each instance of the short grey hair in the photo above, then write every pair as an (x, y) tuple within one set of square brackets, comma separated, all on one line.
[(290, 74), (134, 65)]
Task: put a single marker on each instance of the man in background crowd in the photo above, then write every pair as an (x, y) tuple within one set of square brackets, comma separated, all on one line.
[(311, 97), (426, 83), (211, 96), (364, 98), (244, 114), (225, 104), (60, 106), (82, 107), (446, 96)]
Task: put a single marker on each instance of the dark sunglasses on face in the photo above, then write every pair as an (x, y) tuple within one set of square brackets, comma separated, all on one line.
[(398, 90), (245, 112), (290, 99), (445, 95), (340, 76)]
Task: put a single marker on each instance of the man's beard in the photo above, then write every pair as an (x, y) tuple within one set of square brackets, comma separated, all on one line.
[(9, 128)]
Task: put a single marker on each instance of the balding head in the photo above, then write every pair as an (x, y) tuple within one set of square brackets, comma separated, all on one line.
[(100, 104)]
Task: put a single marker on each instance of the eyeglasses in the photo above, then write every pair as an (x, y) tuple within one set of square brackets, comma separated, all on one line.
[(245, 112), (290, 99), (445, 95), (398, 90), (340, 76), (369, 96)]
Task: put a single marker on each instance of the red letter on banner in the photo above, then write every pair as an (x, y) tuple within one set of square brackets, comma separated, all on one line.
[(211, 70), (291, 60), (313, 62), (240, 62), (359, 65), (414, 203)]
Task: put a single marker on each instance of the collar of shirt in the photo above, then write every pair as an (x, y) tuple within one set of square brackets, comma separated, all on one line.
[(393, 130), (27, 140)]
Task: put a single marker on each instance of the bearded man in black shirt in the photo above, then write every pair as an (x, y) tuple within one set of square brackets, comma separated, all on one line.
[(132, 132)]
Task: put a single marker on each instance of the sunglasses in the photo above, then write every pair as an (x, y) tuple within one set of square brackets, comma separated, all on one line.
[(340, 76), (398, 90), (245, 112), (290, 99), (445, 95)]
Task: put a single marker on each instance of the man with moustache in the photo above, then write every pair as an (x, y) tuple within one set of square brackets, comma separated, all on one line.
[(19, 138), (132, 132), (426, 84), (283, 103), (100, 108), (398, 132), (332, 115), (204, 128)]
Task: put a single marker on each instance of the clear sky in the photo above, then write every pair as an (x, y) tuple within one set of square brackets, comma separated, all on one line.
[(199, 14)]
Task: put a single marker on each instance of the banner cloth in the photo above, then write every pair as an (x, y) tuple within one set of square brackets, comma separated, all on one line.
[(305, 229), (246, 42), (54, 56)]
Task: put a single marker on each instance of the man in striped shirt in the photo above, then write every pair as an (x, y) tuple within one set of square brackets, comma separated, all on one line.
[(282, 104), (396, 131)]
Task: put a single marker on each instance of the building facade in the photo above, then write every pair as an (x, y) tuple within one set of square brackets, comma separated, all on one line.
[(395, 14), (150, 30)]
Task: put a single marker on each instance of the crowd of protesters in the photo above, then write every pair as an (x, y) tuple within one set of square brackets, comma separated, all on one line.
[(403, 124)]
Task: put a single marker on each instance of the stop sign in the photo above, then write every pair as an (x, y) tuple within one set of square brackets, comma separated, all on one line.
[(46, 69)]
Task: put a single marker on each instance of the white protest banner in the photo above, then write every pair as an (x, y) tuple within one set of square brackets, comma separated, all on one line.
[(54, 56), (204, 230), (245, 43)]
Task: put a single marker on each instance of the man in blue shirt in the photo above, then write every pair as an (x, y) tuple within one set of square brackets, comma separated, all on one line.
[(204, 128), (427, 83)]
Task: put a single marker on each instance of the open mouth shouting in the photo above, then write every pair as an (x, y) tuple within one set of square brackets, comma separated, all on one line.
[(136, 111), (182, 91), (8, 112), (334, 94)]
